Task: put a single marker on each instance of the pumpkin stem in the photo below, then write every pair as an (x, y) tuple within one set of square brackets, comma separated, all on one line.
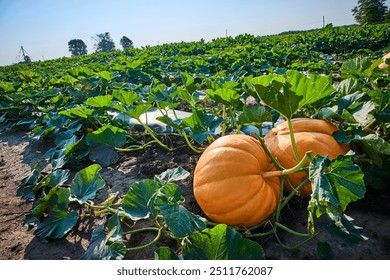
[(296, 168), (270, 174), (301, 164), (293, 143)]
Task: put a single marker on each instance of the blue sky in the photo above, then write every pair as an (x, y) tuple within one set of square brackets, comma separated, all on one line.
[(44, 27)]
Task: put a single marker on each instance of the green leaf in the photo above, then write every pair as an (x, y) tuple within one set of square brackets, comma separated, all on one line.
[(271, 91), (359, 67), (126, 97), (101, 248), (104, 155), (136, 203), (226, 96), (57, 224), (86, 183), (81, 111), (344, 227), (105, 75), (103, 143), (335, 184), (165, 253), (362, 113), (202, 125), (374, 146), (58, 221), (189, 83), (348, 100), (312, 88), (56, 178), (180, 221), (348, 86), (173, 175), (177, 124), (221, 243), (288, 95), (57, 198), (138, 110), (99, 101), (255, 115), (381, 99)]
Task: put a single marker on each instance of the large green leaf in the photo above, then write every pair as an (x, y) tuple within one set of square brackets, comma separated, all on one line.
[(137, 201), (125, 97), (381, 99), (359, 67), (226, 96), (138, 110), (335, 184), (58, 221), (103, 143), (57, 224), (271, 91), (56, 178), (202, 125), (255, 115), (221, 243), (80, 111), (99, 101), (165, 253), (86, 183), (58, 198), (312, 88), (180, 221), (287, 95), (107, 135)]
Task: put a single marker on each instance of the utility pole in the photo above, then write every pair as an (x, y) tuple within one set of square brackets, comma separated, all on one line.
[(323, 21), (226, 33)]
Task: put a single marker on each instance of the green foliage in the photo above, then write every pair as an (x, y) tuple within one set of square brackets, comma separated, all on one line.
[(370, 11), (221, 243), (77, 47), (104, 43)]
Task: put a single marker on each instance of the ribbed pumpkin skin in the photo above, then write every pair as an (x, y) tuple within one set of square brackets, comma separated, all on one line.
[(310, 135), (228, 185)]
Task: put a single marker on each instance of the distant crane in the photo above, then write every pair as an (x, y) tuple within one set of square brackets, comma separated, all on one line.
[(23, 56)]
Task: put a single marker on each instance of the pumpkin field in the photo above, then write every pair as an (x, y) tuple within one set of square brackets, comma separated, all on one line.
[(247, 147)]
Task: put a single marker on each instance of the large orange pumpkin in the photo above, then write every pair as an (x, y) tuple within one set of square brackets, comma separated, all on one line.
[(228, 182), (310, 135)]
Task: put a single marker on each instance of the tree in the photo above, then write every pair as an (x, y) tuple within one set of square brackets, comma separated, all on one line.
[(104, 43), (387, 16), (370, 11), (77, 47), (126, 43)]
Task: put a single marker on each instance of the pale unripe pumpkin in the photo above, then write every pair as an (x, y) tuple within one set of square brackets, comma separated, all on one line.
[(228, 182), (310, 135)]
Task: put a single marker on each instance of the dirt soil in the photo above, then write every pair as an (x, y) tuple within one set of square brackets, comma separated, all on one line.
[(19, 152)]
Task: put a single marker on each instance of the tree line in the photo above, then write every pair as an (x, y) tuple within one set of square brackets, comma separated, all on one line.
[(371, 12), (103, 43)]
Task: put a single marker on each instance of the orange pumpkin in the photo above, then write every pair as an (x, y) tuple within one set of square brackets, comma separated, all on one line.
[(310, 135), (228, 182)]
